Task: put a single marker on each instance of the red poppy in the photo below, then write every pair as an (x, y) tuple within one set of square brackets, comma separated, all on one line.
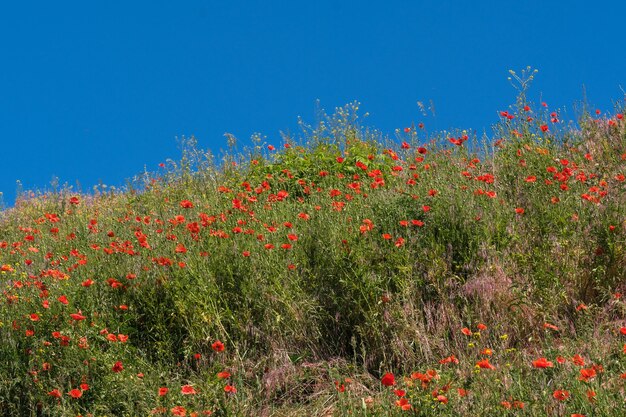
[(561, 394), (542, 363), (179, 411), (188, 390), (586, 374), (117, 367), (77, 316), (163, 391), (75, 393), (388, 379), (403, 403), (55, 393), (218, 346), (484, 364)]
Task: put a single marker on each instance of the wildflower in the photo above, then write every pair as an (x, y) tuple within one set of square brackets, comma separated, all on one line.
[(77, 316), (484, 364), (230, 389), (388, 380), (218, 346), (542, 363), (188, 390), (75, 393), (591, 396), (117, 367), (223, 375), (179, 411), (449, 359), (163, 391), (586, 374), (561, 394), (550, 326), (55, 393), (466, 331), (403, 403)]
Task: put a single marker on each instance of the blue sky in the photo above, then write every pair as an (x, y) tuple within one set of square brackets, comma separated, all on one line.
[(94, 91)]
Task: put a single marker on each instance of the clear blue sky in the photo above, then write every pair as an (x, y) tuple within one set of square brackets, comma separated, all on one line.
[(95, 90)]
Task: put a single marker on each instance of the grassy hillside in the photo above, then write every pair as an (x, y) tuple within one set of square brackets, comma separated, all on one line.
[(337, 273)]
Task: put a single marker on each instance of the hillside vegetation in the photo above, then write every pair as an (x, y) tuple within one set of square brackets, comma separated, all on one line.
[(337, 273)]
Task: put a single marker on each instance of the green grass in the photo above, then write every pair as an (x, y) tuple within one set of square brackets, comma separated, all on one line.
[(343, 254)]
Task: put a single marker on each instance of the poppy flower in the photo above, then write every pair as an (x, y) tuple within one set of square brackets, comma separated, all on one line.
[(218, 346), (77, 316), (561, 394), (223, 375), (230, 389), (550, 326), (542, 363), (188, 390), (75, 393), (163, 391), (55, 393), (403, 403), (117, 367), (466, 331), (388, 379), (400, 392), (484, 364), (179, 411), (586, 374)]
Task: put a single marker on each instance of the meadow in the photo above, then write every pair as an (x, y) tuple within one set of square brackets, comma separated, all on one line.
[(339, 272)]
